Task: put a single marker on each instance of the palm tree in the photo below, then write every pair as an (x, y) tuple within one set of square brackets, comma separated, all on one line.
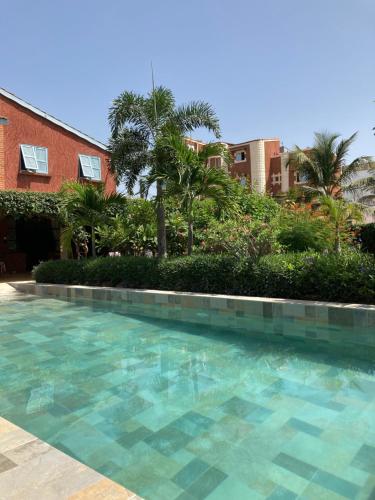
[(340, 213), (187, 176), (324, 166), (88, 205), (137, 123)]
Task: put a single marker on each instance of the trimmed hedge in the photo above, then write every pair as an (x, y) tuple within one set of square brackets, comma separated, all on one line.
[(349, 277), (29, 204)]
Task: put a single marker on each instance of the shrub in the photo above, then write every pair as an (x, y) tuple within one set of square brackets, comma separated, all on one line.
[(61, 271), (347, 277), (243, 237), (300, 231), (202, 273), (367, 236)]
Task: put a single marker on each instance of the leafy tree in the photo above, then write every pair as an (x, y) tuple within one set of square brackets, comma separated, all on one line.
[(324, 166), (86, 205), (189, 177), (138, 123), (340, 213)]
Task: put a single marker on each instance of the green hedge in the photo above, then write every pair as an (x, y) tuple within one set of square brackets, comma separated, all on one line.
[(349, 277), (29, 204)]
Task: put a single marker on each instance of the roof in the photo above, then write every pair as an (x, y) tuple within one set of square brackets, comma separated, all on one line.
[(52, 119)]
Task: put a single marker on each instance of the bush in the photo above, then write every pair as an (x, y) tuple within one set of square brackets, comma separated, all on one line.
[(242, 237), (71, 272), (300, 232), (367, 236), (348, 277), (203, 273)]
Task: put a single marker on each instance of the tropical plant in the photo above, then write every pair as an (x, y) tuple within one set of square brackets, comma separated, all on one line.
[(240, 237), (188, 176), (127, 238), (341, 214), (324, 167), (139, 122), (300, 231), (259, 206), (86, 205)]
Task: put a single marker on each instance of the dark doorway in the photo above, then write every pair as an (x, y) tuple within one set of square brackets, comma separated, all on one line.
[(35, 237)]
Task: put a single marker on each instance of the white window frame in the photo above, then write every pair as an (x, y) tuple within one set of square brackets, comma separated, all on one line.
[(276, 179), (237, 153), (26, 155), (191, 147), (87, 170)]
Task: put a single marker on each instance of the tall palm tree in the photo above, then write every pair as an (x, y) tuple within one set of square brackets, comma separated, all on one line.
[(88, 205), (188, 176), (340, 213), (137, 123), (324, 166)]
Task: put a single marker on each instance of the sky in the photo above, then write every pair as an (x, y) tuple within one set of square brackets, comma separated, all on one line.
[(270, 68)]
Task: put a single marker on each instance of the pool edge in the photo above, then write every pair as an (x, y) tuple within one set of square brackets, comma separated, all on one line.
[(28, 463)]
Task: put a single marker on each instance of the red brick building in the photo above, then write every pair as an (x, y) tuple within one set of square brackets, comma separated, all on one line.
[(39, 153), (262, 163)]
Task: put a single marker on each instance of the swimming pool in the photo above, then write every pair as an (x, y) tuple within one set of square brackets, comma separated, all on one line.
[(177, 410)]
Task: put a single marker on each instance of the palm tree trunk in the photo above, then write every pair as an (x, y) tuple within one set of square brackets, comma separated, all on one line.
[(160, 216), (337, 240), (190, 235), (93, 247)]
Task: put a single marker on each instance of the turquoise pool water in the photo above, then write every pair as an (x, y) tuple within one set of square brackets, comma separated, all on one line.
[(173, 410)]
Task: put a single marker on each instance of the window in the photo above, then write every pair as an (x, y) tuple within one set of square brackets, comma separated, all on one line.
[(299, 178), (35, 158), (276, 179), (215, 161), (90, 167), (191, 146), (240, 156)]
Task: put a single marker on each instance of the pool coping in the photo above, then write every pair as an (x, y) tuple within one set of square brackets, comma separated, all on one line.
[(28, 286), (31, 469)]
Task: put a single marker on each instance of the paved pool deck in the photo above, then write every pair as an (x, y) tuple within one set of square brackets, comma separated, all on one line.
[(32, 469)]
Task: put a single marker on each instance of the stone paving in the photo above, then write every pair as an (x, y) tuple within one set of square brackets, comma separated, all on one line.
[(31, 469)]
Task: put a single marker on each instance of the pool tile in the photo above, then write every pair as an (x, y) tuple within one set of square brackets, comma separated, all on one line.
[(206, 483), (193, 423), (336, 484), (365, 458), (292, 464), (238, 407), (281, 493), (190, 473), (168, 440), (302, 426), (147, 399), (129, 439)]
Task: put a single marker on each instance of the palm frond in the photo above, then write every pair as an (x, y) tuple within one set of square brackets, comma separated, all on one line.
[(194, 115)]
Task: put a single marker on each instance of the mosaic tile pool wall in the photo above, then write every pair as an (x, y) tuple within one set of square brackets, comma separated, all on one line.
[(175, 410), (330, 324)]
